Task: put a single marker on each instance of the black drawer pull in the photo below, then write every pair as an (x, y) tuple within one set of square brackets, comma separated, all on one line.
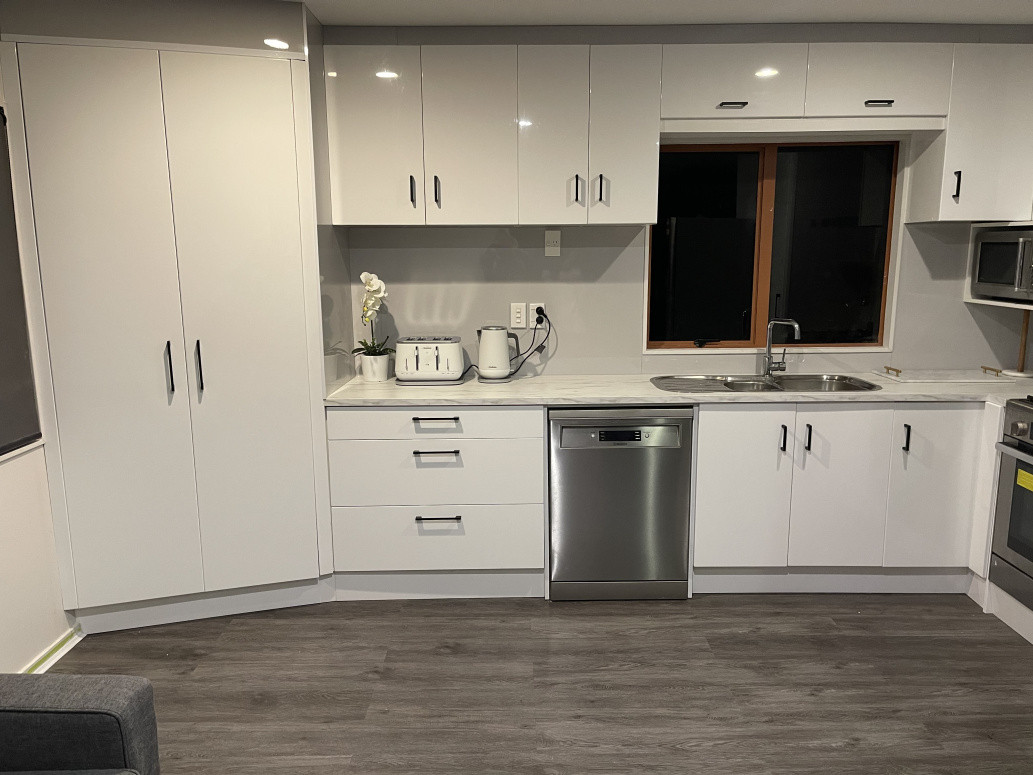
[(878, 103), (733, 104), (785, 439), (436, 419), (456, 518), (420, 452), (810, 432), (907, 438)]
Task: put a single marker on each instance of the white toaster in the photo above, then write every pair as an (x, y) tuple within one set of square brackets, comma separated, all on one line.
[(428, 358)]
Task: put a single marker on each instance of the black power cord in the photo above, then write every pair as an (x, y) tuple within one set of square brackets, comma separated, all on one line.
[(540, 312)]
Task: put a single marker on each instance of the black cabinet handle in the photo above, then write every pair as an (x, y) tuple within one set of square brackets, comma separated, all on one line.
[(168, 360), (785, 439), (577, 189), (200, 369), (810, 432), (412, 190), (419, 452), (733, 104), (907, 438), (456, 518), (600, 187), (957, 184), (417, 420), (437, 191), (878, 103)]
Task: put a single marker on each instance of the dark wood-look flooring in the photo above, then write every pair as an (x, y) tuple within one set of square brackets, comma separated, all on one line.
[(787, 684)]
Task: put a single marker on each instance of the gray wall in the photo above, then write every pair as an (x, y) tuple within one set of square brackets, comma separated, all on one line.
[(453, 280)]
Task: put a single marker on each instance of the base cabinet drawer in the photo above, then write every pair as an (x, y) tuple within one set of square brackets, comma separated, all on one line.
[(416, 538), (396, 472), (435, 422)]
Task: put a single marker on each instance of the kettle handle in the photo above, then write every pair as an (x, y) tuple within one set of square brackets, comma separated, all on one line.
[(516, 340), (478, 334)]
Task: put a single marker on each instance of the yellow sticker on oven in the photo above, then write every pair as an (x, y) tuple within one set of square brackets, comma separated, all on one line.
[(1024, 479)]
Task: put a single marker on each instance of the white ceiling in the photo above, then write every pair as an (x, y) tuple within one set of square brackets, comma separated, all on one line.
[(394, 13)]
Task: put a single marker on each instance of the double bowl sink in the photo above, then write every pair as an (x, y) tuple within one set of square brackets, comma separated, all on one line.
[(793, 383)]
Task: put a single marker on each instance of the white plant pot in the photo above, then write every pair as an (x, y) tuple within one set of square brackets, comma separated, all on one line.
[(330, 367), (375, 368)]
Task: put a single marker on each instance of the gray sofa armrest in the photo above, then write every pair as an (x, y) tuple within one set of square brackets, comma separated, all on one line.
[(77, 722)]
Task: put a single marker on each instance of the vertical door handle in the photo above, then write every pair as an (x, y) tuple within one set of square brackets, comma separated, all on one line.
[(200, 369), (810, 432), (600, 187), (437, 191), (957, 184), (907, 438), (412, 190), (168, 361), (785, 439), (577, 188)]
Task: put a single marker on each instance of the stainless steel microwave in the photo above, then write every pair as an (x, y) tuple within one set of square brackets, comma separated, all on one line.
[(1002, 264)]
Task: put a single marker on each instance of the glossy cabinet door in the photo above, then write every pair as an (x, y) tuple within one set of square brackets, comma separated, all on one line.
[(470, 134), (879, 79), (744, 480), (230, 127), (624, 134), (375, 124), (737, 80), (107, 254), (839, 485), (932, 485), (553, 167)]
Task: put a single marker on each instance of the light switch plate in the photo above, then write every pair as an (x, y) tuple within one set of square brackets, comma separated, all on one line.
[(518, 315), (552, 242)]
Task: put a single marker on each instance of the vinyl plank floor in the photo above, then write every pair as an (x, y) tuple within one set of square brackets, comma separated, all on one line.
[(720, 684)]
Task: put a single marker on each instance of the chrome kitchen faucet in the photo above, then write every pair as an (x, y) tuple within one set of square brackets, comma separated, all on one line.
[(770, 364)]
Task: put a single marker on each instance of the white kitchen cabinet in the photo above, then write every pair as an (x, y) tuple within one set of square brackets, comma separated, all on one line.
[(107, 255), (230, 129), (470, 134), (624, 137), (879, 79), (553, 134), (838, 509), (734, 80), (981, 168), (744, 481), (932, 485), (375, 125)]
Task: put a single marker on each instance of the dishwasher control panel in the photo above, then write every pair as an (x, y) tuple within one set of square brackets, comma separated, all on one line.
[(586, 437)]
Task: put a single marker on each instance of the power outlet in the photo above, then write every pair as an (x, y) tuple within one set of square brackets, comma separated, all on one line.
[(531, 315), (517, 315), (552, 242)]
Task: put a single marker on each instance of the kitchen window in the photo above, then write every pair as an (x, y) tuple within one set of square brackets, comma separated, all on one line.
[(746, 233)]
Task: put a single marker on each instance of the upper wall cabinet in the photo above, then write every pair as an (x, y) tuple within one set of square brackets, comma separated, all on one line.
[(742, 80), (879, 79), (375, 107), (981, 168), (470, 134)]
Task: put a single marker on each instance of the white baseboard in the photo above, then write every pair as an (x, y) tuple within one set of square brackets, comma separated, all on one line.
[(204, 606), (841, 581), (49, 656), (978, 589), (1010, 611), (395, 586)]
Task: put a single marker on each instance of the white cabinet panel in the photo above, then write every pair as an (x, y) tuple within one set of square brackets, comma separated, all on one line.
[(624, 134), (470, 134), (427, 472), (744, 478), (553, 168), (744, 80), (107, 253), (931, 486), (390, 538), (435, 422), (840, 485), (230, 133), (376, 134), (879, 79)]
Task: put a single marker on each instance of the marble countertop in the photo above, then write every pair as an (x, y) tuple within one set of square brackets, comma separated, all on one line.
[(629, 389)]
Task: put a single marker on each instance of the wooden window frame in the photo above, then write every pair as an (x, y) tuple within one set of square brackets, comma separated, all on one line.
[(763, 245)]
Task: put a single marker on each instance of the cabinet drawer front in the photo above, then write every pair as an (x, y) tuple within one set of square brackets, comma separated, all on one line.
[(435, 422), (422, 472), (389, 538), (914, 77)]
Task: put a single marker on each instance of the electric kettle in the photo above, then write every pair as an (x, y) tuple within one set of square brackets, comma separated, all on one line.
[(493, 356)]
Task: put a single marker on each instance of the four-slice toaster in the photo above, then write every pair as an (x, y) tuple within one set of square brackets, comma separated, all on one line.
[(428, 358)]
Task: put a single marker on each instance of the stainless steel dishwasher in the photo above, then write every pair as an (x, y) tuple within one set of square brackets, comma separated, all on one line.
[(619, 494)]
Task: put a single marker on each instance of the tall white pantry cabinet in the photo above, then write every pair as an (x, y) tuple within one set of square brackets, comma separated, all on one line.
[(166, 203)]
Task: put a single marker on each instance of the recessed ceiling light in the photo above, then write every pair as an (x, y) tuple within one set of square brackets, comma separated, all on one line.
[(524, 122), (387, 74), (276, 43), (766, 72), (332, 74)]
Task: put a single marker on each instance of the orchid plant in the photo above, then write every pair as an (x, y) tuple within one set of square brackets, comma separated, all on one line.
[(373, 295)]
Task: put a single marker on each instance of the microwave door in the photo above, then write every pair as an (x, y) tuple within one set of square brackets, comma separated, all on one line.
[(1024, 270)]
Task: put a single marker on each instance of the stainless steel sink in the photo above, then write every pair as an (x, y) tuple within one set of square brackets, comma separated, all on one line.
[(749, 383)]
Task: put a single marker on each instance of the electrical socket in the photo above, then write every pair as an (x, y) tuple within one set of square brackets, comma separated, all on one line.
[(531, 314), (517, 315), (552, 242)]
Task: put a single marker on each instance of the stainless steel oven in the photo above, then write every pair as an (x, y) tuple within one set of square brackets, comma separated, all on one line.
[(1011, 564), (1002, 264)]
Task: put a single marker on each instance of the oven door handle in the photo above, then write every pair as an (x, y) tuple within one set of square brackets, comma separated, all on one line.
[(1004, 449)]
